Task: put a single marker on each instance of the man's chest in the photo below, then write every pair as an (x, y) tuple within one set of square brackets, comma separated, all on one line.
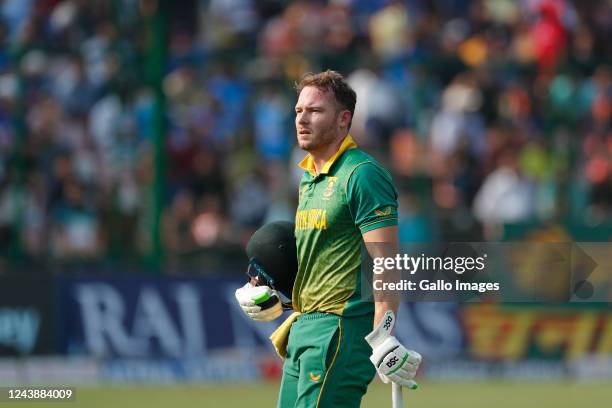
[(322, 204)]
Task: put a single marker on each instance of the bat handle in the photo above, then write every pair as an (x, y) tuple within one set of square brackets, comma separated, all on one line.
[(396, 395)]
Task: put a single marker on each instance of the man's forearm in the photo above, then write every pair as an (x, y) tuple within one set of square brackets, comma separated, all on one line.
[(383, 243)]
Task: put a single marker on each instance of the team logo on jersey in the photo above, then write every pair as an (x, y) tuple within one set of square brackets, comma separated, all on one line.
[(331, 187), (383, 213), (314, 378)]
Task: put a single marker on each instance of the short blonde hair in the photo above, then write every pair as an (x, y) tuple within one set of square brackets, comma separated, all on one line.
[(331, 81)]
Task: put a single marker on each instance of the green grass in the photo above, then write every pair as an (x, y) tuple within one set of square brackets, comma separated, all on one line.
[(429, 395)]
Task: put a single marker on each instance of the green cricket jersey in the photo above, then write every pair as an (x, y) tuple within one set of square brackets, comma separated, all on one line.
[(353, 194)]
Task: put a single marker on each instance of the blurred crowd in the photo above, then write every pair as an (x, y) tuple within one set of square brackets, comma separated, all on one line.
[(488, 112)]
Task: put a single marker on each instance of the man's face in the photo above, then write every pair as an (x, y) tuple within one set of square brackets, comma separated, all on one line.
[(318, 119)]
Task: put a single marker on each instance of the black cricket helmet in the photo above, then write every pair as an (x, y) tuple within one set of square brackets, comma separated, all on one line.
[(273, 256)]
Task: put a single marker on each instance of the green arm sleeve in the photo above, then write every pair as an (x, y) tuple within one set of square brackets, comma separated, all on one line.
[(372, 198)]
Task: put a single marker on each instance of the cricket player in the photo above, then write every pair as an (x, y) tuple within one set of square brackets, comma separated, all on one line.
[(331, 344)]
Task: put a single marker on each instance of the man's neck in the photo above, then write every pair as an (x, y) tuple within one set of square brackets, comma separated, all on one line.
[(321, 156)]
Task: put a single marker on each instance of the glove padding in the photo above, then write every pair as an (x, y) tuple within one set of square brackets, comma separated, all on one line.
[(393, 362), (260, 303)]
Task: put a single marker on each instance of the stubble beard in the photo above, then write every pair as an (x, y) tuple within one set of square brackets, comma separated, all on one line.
[(325, 138)]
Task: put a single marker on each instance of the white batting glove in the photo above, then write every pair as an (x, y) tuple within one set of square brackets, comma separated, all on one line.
[(260, 303), (393, 362)]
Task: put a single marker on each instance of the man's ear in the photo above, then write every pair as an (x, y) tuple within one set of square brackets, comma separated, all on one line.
[(344, 118)]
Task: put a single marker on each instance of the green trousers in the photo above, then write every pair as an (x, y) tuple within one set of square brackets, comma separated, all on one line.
[(327, 363)]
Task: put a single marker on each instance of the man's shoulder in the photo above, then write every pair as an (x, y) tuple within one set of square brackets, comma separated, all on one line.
[(356, 157), (357, 160)]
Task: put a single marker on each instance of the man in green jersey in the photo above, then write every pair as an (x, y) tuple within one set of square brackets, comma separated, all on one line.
[(346, 198)]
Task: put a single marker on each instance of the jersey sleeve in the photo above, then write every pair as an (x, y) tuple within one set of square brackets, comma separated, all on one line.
[(372, 198)]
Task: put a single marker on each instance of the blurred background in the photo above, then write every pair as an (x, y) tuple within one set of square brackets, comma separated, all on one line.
[(143, 141)]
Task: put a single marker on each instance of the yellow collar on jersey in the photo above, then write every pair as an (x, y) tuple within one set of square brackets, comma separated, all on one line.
[(308, 163)]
